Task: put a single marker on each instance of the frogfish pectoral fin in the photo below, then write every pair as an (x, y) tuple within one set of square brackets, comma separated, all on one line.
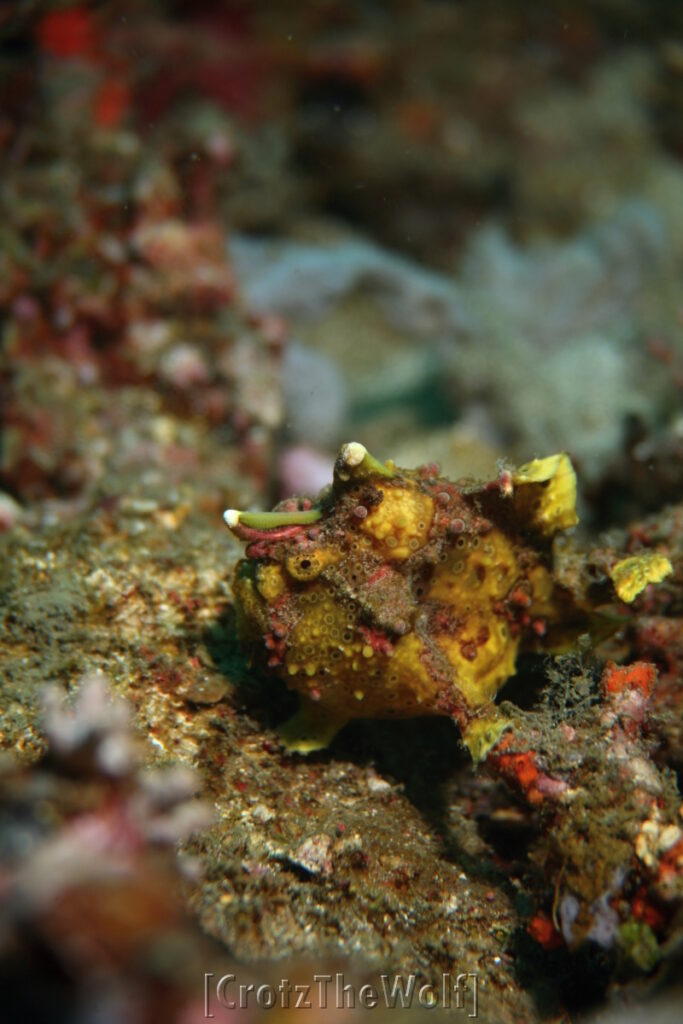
[(311, 728)]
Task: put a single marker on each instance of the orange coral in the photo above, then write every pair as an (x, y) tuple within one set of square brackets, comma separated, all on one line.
[(641, 675)]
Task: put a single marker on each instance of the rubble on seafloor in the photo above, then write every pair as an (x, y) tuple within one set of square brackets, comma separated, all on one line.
[(388, 846), (149, 379), (92, 922)]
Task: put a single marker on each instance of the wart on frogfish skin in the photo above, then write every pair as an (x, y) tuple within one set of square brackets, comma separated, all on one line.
[(399, 593)]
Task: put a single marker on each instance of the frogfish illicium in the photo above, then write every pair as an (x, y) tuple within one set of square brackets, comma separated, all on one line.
[(398, 593)]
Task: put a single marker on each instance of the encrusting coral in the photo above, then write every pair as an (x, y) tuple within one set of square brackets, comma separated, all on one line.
[(401, 593), (608, 852)]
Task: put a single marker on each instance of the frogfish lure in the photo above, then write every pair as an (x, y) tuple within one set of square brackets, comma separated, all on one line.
[(399, 593)]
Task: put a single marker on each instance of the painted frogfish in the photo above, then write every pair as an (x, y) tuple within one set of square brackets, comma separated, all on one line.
[(398, 593)]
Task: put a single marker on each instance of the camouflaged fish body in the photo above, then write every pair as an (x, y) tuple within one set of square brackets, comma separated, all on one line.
[(401, 593)]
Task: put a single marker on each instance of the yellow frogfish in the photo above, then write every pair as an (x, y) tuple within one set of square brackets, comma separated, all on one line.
[(399, 593)]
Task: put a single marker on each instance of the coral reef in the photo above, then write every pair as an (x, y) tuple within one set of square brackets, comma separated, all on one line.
[(610, 853), (121, 302)]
